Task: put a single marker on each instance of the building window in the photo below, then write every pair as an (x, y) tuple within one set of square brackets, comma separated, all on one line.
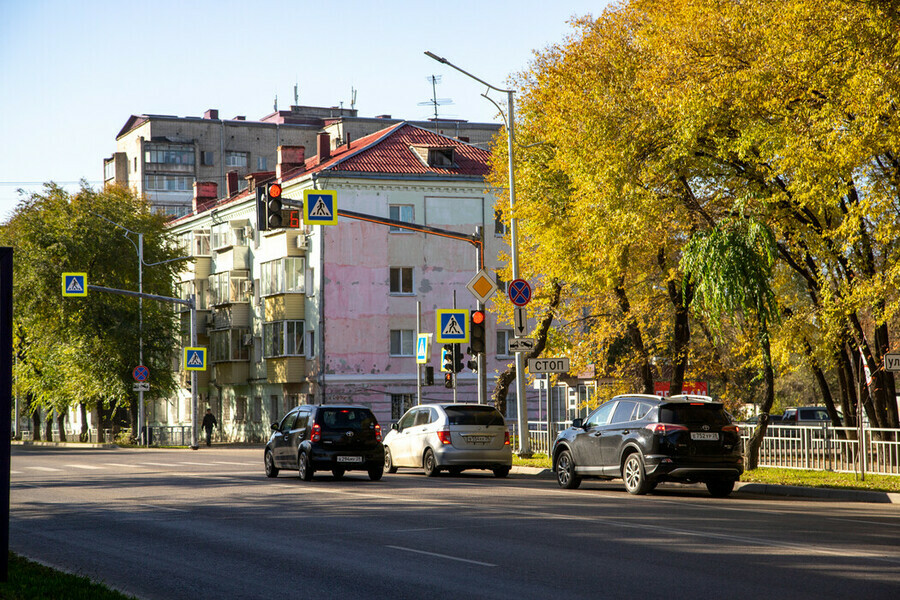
[(207, 158), (240, 408), (256, 410), (402, 342), (501, 285), (168, 183), (402, 280), (229, 344), (228, 287), (262, 163), (167, 154), (311, 344), (400, 403), (236, 159), (503, 337), (283, 338), (499, 225), (283, 276), (401, 212)]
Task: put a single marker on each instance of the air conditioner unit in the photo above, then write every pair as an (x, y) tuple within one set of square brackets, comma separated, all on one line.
[(248, 232), (303, 243), (247, 286)]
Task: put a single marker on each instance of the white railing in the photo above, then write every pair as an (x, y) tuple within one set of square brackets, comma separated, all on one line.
[(827, 448)]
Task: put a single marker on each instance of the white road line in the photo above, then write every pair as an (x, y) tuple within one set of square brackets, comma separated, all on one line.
[(89, 467), (15, 472), (121, 465), (195, 464), (456, 558), (155, 507), (243, 464), (156, 464), (43, 469)]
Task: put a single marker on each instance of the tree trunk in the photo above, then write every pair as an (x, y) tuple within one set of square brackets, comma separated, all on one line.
[(36, 425), (634, 334), (501, 389), (681, 335), (48, 428), (85, 435), (61, 424), (752, 450)]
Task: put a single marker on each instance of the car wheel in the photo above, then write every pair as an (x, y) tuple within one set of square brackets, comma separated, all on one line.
[(720, 488), (565, 471), (271, 469), (429, 463), (635, 476), (389, 461), (338, 473), (305, 471), (375, 473), (501, 472)]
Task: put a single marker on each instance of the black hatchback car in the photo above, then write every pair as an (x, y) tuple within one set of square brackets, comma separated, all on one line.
[(326, 438), (647, 439)]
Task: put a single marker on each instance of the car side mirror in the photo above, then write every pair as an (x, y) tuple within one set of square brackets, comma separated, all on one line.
[(578, 423), (274, 426), (395, 426)]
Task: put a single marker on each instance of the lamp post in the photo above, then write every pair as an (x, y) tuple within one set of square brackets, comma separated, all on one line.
[(524, 448)]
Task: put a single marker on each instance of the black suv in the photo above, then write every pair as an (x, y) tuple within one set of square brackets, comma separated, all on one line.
[(647, 439), (326, 438)]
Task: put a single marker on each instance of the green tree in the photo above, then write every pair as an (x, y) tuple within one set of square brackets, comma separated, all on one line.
[(82, 350)]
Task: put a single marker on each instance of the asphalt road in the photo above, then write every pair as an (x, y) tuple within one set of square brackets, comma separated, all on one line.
[(173, 524)]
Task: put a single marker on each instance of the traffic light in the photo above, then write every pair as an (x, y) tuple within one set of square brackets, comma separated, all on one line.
[(457, 359), (448, 380), (447, 358), (472, 364), (261, 221), (273, 206), (476, 332), (429, 375)]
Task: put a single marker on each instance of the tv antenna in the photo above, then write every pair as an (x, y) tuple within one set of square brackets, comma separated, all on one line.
[(435, 101)]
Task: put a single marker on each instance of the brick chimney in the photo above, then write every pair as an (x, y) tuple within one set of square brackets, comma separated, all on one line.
[(212, 113), (231, 183), (204, 193), (289, 159), (324, 146)]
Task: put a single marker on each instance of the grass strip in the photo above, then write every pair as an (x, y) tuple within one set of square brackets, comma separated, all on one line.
[(28, 580)]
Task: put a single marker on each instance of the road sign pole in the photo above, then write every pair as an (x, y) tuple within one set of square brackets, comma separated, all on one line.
[(418, 366), (481, 376), (195, 415)]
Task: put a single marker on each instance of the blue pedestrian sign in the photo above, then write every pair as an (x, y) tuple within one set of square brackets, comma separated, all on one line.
[(320, 207), (423, 348), (195, 359), (452, 326), (74, 284), (519, 292)]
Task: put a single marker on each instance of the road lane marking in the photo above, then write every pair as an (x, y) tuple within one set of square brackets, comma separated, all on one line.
[(242, 464), (48, 469), (448, 557), (155, 507), (156, 464), (89, 467), (121, 465)]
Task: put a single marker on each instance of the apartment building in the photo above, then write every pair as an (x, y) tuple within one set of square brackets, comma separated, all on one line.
[(328, 313), (162, 156)]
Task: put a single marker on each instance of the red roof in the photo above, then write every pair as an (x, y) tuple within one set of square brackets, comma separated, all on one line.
[(390, 152)]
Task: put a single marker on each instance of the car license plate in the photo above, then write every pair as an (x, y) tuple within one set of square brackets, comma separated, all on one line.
[(350, 459), (479, 439), (699, 435)]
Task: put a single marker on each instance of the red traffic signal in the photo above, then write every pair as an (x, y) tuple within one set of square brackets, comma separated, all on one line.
[(476, 332)]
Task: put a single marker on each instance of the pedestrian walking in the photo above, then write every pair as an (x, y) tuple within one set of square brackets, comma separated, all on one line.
[(209, 421)]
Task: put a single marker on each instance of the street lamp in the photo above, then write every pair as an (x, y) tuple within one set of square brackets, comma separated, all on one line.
[(524, 442)]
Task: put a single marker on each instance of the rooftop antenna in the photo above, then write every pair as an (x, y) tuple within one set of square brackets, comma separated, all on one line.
[(296, 94), (276, 102), (353, 91), (435, 101)]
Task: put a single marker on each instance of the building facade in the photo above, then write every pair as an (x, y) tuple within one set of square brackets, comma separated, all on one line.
[(329, 313), (162, 156)]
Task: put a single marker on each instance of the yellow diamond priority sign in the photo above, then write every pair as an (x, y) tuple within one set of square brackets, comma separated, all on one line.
[(482, 286)]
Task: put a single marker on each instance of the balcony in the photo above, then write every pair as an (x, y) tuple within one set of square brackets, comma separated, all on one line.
[(286, 369), (231, 373), (283, 307), (231, 258)]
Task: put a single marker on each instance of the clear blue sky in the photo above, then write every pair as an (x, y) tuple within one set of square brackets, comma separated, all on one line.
[(71, 73)]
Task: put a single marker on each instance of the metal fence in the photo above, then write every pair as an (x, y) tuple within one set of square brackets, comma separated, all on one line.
[(818, 448), (827, 448)]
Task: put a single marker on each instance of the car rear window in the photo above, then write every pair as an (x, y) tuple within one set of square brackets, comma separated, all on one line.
[(347, 418), (474, 415), (693, 414)]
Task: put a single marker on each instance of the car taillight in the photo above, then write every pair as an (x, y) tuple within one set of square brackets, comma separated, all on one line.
[(506, 438), (316, 435), (444, 436), (731, 428), (665, 428), (377, 433)]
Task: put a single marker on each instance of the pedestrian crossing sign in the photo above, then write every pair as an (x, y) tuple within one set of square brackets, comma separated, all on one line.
[(452, 326), (320, 207), (195, 359), (74, 284)]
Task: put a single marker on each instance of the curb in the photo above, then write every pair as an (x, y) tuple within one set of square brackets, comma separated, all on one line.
[(768, 489), (26, 444)]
